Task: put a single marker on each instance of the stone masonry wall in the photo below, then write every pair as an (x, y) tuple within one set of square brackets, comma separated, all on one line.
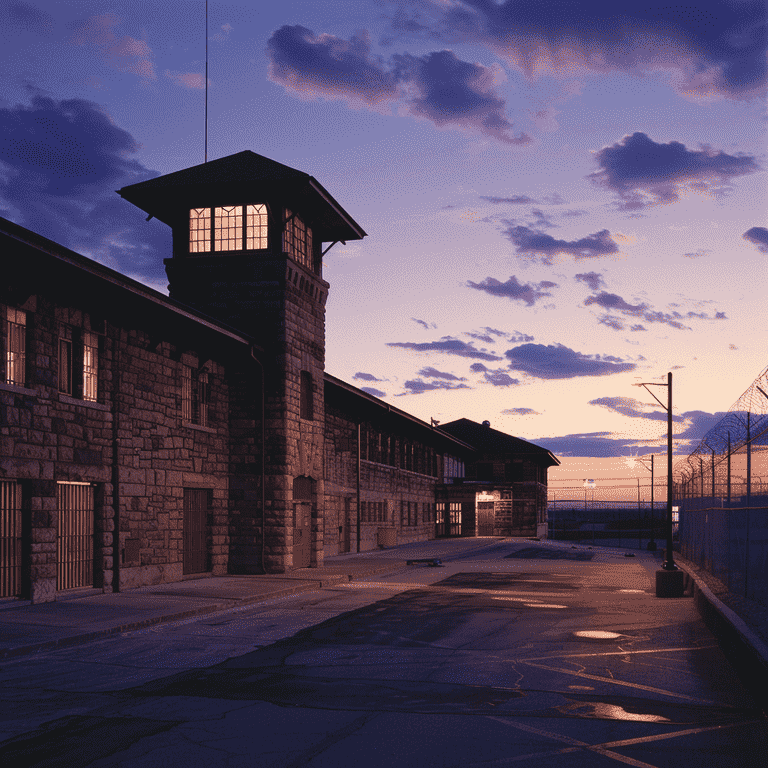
[(385, 491), (130, 442)]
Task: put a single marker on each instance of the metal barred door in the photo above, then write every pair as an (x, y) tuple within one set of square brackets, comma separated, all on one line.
[(10, 539), (485, 518), (196, 503), (74, 539)]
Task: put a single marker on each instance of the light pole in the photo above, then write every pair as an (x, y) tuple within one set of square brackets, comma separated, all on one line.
[(652, 542), (670, 580)]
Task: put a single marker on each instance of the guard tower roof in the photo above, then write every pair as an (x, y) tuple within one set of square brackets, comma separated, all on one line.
[(238, 177)]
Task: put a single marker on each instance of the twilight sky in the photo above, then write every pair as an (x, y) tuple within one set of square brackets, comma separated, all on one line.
[(561, 198)]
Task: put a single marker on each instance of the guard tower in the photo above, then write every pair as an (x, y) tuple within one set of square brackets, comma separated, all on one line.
[(248, 237)]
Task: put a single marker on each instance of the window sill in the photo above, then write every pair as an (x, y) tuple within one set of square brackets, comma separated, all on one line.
[(87, 403), (18, 389), (199, 427)]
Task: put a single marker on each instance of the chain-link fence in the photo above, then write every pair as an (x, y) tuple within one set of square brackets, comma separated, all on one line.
[(600, 522), (721, 490)]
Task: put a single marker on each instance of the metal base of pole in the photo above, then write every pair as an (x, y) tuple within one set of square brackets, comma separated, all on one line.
[(670, 583)]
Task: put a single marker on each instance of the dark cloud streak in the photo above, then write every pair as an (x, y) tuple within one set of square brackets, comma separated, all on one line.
[(643, 172), (514, 290), (529, 242), (560, 362)]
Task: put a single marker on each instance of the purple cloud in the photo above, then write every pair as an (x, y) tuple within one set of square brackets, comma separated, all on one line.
[(455, 92), (529, 242), (324, 65), (62, 161), (593, 280), (498, 377), (642, 172), (515, 200), (612, 322), (438, 86), (424, 323), (433, 373), (360, 376), (759, 237), (374, 392), (417, 386), (719, 49), (612, 301), (512, 289), (560, 362), (446, 345), (628, 406), (27, 17), (521, 412)]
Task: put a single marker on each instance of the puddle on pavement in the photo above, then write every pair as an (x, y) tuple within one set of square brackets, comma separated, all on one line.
[(597, 634), (605, 711)]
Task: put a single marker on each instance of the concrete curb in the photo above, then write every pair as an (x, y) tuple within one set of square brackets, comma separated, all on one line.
[(746, 652)]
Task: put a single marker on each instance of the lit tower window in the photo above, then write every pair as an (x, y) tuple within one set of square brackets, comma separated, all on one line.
[(297, 240), (227, 228), (256, 227), (199, 230), (228, 224)]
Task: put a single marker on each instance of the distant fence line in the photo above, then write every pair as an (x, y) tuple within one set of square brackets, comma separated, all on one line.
[(721, 489)]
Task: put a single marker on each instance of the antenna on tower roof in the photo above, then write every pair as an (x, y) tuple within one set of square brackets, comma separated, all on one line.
[(206, 81)]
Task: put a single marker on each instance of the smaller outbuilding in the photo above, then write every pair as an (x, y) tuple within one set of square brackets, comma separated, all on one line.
[(500, 491)]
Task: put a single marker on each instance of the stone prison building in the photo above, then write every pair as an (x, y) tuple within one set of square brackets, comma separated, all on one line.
[(147, 438)]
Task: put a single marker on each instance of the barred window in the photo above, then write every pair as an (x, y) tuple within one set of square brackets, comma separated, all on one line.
[(90, 366), (195, 396), (297, 240), (16, 347)]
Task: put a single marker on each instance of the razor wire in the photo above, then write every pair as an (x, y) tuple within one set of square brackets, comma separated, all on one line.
[(745, 426)]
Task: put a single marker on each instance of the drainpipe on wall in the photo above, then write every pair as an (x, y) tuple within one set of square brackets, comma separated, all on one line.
[(358, 486), (116, 552), (263, 458)]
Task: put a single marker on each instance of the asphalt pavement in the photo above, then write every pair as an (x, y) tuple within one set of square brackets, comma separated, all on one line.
[(82, 616), (509, 651)]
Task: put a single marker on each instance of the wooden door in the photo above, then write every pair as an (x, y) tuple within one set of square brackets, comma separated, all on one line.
[(485, 518), (196, 502), (302, 514)]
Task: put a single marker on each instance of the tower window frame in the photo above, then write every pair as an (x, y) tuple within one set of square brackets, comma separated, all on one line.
[(229, 228), (298, 241)]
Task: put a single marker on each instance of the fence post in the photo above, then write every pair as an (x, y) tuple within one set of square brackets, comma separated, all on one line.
[(749, 504)]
